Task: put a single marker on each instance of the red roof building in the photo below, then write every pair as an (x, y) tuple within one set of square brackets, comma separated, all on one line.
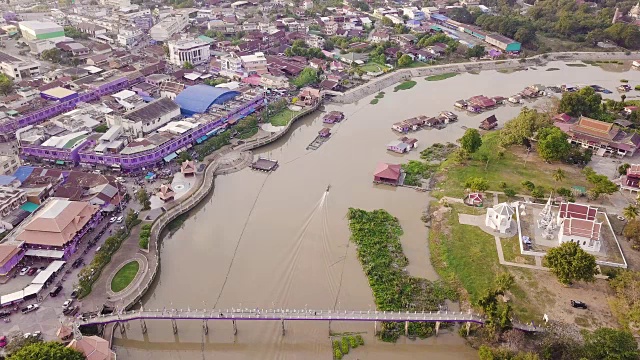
[(633, 176), (577, 211), (387, 174)]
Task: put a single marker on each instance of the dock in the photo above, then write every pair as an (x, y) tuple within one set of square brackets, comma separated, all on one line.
[(317, 142), (266, 165)]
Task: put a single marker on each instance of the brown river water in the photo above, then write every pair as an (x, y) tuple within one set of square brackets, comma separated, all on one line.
[(280, 240)]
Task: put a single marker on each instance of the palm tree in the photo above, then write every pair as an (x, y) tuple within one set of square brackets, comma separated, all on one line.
[(630, 212), (558, 175)]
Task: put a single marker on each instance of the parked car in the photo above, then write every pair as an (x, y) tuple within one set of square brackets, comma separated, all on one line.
[(32, 271), (4, 314), (55, 291), (119, 220), (36, 335), (74, 294), (3, 341), (77, 263), (112, 220), (24, 271), (578, 304), (30, 308), (71, 311), (67, 303)]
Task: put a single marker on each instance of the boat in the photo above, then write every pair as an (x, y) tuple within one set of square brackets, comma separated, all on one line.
[(328, 187)]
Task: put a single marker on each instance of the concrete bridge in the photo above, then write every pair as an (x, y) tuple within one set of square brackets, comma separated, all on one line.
[(283, 315)]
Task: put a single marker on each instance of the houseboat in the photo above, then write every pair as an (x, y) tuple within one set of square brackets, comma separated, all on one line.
[(499, 99), (324, 132), (401, 127), (474, 109), (460, 104), (481, 101), (398, 146), (333, 117), (434, 121), (489, 123), (515, 99), (624, 88), (411, 142), (449, 116), (568, 88)]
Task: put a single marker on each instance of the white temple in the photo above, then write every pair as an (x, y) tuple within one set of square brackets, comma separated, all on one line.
[(499, 217)]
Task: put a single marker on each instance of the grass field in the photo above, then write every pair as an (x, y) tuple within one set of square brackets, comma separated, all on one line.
[(372, 67), (405, 85), (124, 276), (282, 117), (440, 77), (511, 251), (512, 168)]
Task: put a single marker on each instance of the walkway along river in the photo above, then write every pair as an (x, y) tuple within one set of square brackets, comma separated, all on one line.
[(280, 240)]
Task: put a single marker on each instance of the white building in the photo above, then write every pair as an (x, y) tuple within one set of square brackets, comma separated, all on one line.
[(128, 37), (40, 30), (499, 217), (578, 223), (18, 69), (146, 118), (168, 26), (9, 164), (269, 81), (315, 41), (231, 66), (413, 13), (254, 64), (193, 51)]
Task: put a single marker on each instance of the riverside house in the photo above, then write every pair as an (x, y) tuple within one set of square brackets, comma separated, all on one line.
[(398, 146), (401, 127), (489, 123), (390, 174)]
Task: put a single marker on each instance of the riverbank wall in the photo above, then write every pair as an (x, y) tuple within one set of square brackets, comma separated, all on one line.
[(205, 187), (389, 79)]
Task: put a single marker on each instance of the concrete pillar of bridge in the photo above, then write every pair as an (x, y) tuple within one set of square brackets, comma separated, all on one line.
[(143, 325), (406, 328), (235, 327), (122, 328), (282, 327), (174, 324), (375, 328), (205, 327), (468, 327), (437, 327)]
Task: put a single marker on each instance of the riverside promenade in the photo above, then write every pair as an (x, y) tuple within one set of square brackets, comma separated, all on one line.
[(380, 83), (224, 161)]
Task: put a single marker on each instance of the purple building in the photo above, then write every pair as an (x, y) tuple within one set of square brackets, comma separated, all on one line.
[(10, 256)]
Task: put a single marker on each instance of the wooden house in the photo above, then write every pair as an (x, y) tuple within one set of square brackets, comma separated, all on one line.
[(324, 132), (401, 127), (489, 123)]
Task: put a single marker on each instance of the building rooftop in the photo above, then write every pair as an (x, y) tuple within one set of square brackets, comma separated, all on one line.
[(152, 110)]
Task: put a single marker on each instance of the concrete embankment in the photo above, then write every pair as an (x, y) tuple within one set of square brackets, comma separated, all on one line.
[(394, 77)]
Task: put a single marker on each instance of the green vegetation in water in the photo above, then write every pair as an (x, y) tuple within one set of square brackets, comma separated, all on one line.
[(437, 151), (624, 81), (440, 77), (377, 236), (416, 171), (405, 85), (380, 95), (552, 69), (374, 101), (577, 65), (637, 88), (124, 276)]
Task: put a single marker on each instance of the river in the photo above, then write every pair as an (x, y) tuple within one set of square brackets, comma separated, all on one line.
[(280, 240)]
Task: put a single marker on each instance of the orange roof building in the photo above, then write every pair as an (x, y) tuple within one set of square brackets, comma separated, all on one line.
[(602, 137), (188, 168), (57, 224), (166, 193), (93, 348)]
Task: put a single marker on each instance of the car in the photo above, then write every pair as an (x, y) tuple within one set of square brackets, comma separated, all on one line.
[(77, 263), (30, 308), (578, 304), (36, 334), (71, 311), (74, 294), (3, 341), (67, 303), (55, 291), (4, 314), (24, 271), (112, 220), (119, 220), (32, 271)]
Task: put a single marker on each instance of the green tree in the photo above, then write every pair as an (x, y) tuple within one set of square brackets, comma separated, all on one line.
[(405, 60), (553, 144), (306, 77), (46, 350), (504, 281), (569, 263), (610, 344), (584, 102), (477, 51), (52, 55), (102, 128), (187, 65), (386, 21), (471, 140), (6, 84), (476, 184), (622, 169), (132, 219), (558, 175), (184, 156), (601, 184), (509, 192), (143, 199), (632, 231), (538, 192), (528, 185), (523, 126), (630, 212)]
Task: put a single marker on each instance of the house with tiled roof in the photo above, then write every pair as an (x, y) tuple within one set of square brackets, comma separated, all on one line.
[(601, 137)]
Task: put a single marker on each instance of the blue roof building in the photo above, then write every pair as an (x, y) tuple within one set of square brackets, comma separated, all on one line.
[(198, 98), (23, 172)]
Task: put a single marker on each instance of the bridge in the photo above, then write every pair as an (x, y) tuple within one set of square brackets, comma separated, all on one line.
[(283, 315)]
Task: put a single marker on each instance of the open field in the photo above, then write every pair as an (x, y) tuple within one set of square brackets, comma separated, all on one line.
[(372, 67), (282, 117), (512, 167), (511, 251)]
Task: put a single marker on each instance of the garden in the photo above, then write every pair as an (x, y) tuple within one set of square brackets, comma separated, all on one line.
[(124, 276)]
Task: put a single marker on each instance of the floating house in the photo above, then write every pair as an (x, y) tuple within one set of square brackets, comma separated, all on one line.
[(265, 165), (449, 116), (460, 104), (515, 99), (431, 122), (411, 142), (397, 146), (401, 127), (389, 174), (324, 132), (333, 117), (482, 101), (489, 123)]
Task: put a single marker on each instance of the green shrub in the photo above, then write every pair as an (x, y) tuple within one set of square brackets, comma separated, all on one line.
[(360, 339), (637, 87), (353, 343), (528, 185), (337, 354), (344, 346), (624, 81)]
